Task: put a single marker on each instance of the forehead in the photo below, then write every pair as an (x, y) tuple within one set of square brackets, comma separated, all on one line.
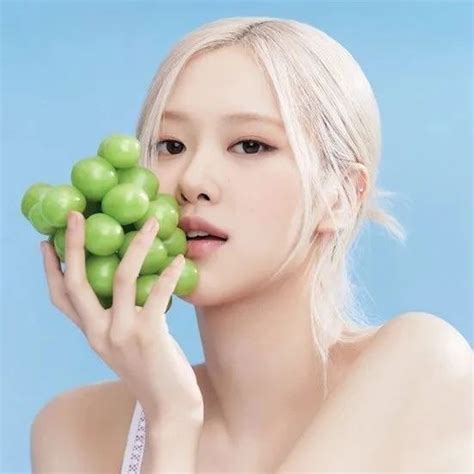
[(223, 85)]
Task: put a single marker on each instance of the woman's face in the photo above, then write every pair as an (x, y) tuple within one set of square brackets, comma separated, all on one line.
[(251, 193)]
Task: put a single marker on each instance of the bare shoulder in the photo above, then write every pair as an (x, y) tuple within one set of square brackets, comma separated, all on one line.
[(83, 429), (429, 340), (436, 423), (403, 405), (410, 349)]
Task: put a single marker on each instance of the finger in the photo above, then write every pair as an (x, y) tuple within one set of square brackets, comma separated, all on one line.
[(55, 279), (125, 277), (162, 290), (78, 288)]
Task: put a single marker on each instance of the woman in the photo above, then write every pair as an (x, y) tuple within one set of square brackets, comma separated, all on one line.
[(294, 378)]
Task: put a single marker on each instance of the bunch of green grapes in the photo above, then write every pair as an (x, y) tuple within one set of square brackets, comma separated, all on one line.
[(116, 197)]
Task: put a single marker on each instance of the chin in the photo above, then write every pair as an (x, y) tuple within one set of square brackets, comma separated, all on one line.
[(202, 299), (212, 291), (206, 293)]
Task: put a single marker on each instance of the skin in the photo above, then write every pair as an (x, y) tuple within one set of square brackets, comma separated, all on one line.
[(263, 408), (259, 356)]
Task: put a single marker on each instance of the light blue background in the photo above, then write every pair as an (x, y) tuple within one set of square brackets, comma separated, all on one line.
[(75, 72)]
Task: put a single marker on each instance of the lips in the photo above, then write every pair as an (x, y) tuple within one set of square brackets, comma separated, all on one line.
[(201, 248), (196, 223), (206, 237)]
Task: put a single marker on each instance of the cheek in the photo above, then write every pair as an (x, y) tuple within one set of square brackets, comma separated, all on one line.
[(270, 211), (167, 177)]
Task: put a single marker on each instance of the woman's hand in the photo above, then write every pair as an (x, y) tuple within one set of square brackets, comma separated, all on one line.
[(134, 342)]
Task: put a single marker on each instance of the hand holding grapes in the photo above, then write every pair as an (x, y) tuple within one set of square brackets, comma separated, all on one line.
[(134, 342)]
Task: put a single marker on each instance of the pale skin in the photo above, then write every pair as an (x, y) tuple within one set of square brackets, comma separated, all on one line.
[(260, 384), (255, 337)]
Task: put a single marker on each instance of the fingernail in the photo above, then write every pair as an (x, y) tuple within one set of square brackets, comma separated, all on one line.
[(178, 260), (150, 224)]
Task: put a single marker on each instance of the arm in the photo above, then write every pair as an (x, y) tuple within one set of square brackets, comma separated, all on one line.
[(71, 432), (171, 446)]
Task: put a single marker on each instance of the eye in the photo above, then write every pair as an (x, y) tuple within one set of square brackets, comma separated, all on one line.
[(254, 144), (173, 150)]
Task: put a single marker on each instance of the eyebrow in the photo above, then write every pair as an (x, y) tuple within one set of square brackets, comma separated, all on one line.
[(235, 117)]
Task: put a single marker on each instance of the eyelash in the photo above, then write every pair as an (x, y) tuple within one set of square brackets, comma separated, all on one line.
[(267, 148)]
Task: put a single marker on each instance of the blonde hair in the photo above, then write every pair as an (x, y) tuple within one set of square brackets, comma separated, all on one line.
[(332, 121)]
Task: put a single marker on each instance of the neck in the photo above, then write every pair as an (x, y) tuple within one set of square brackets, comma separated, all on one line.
[(261, 365)]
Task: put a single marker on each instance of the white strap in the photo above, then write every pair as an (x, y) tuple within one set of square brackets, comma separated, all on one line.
[(132, 458)]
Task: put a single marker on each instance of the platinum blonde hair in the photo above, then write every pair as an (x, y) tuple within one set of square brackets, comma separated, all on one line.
[(333, 125)]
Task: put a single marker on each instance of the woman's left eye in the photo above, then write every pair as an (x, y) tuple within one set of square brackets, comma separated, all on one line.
[(254, 144)]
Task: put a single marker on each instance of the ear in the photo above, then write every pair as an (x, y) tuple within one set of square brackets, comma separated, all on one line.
[(358, 179)]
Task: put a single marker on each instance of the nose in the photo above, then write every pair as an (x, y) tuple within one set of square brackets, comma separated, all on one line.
[(201, 173), (184, 199)]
